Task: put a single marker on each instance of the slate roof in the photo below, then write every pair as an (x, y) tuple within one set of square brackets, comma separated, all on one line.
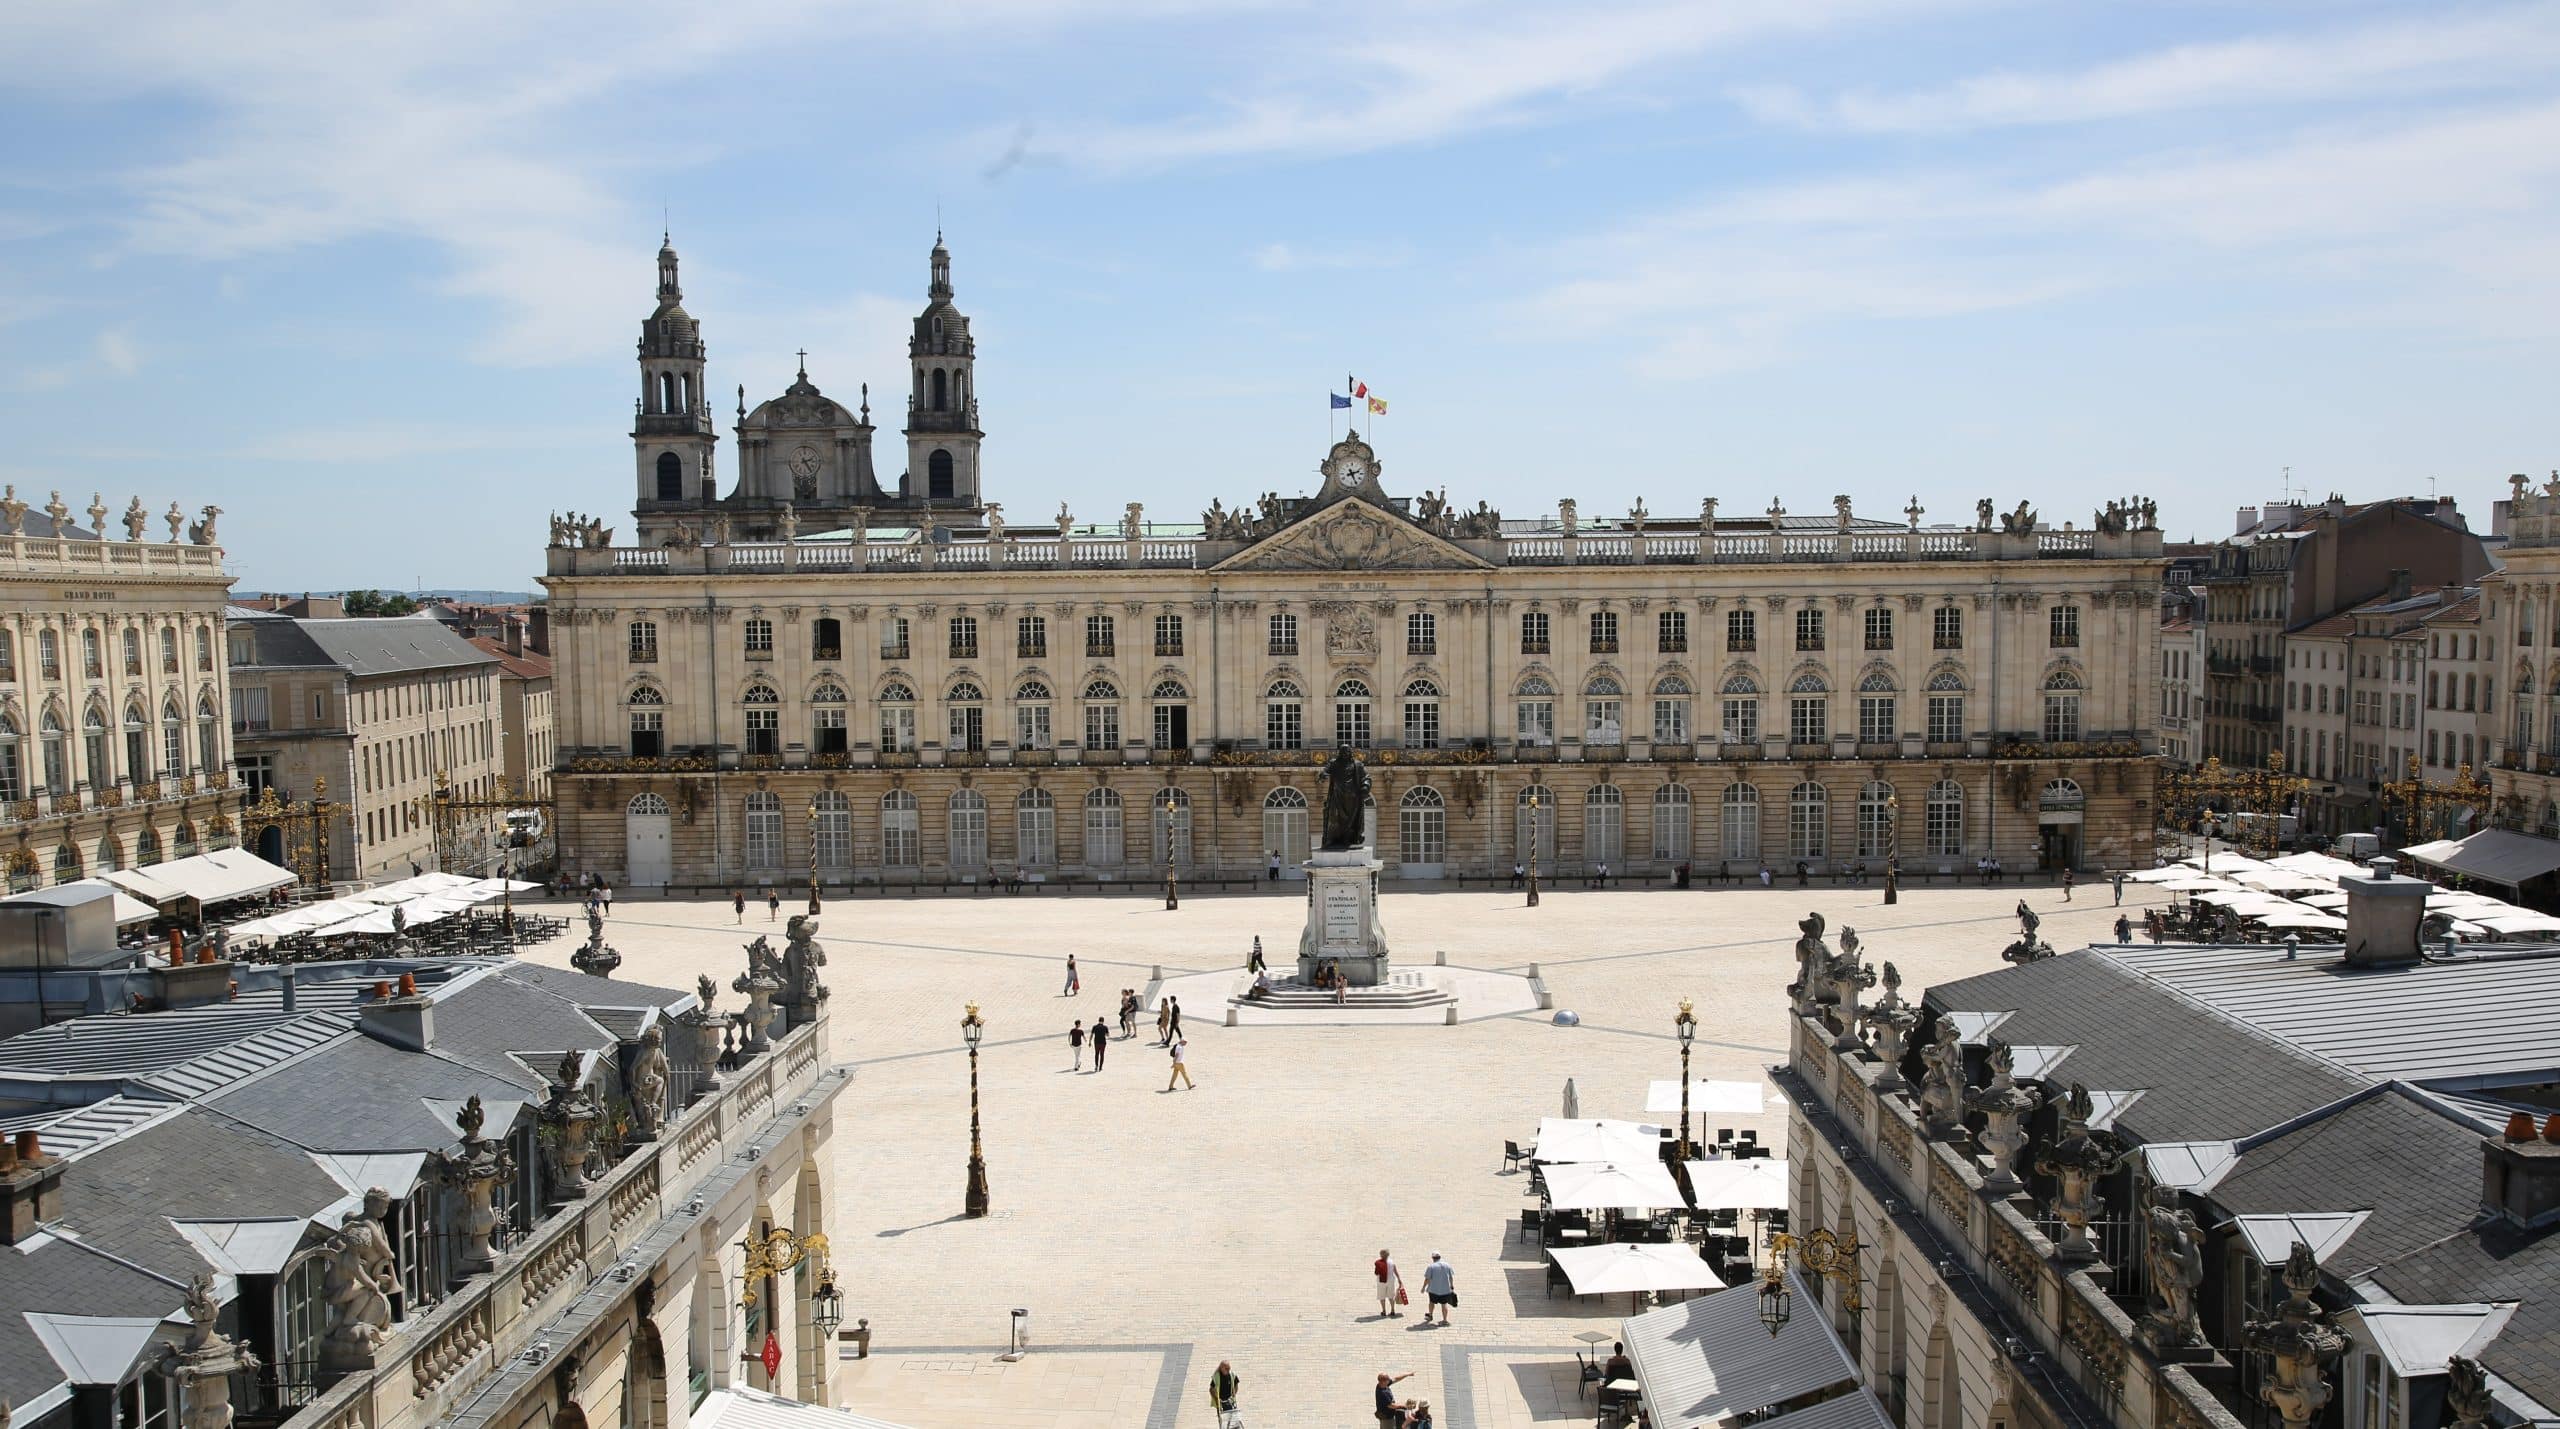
[(2203, 1077), (360, 645), (65, 1277), (193, 1166)]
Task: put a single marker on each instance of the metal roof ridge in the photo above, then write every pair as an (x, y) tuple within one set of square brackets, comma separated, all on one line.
[(2282, 1044), (2297, 1122), (290, 1042)]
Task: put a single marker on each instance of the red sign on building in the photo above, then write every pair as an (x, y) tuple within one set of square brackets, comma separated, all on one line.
[(772, 1355)]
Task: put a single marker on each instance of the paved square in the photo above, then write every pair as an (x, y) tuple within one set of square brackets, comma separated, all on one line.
[(1152, 1234)]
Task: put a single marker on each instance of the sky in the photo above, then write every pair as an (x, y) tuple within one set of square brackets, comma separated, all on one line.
[(369, 277)]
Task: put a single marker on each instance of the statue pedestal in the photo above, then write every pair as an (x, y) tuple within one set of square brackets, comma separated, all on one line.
[(1342, 918)]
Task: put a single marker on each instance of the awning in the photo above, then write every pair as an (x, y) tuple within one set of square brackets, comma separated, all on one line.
[(2299, 918), (2520, 921), (1859, 1410), (216, 877), (2280, 881), (1627, 1268), (1601, 1140), (2418, 1339), (754, 1409), (2271, 1238), (2190, 1165), (1704, 1361), (2497, 855), (1705, 1098), (1759, 1184), (259, 1247), (129, 909), (94, 1349), (1611, 1186)]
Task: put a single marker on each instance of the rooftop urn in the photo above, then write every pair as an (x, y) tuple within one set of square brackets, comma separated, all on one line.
[(2005, 1107)]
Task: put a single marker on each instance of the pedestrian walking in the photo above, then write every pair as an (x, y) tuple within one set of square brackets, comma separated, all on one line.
[(2066, 885), (1390, 1413), (738, 900), (1390, 1285), (1440, 1282), (1075, 1043), (605, 892), (1101, 1040), (1181, 1073), (1164, 1022), (414, 870), (772, 905), (1222, 1394), (1275, 865), (2124, 929), (1128, 1012), (2117, 878), (1253, 960), (1073, 986), (1175, 1003)]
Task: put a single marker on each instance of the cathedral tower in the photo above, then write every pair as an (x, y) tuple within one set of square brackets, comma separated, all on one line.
[(671, 429), (942, 408)]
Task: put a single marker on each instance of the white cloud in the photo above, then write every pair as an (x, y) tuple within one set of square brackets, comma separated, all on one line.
[(353, 444), (1290, 258), (116, 352), (2440, 54)]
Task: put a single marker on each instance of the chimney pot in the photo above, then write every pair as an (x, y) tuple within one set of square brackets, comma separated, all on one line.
[(2551, 1127), (381, 990), (408, 984), (2520, 1126), (30, 1148)]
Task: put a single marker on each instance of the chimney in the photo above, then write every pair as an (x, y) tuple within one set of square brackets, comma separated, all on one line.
[(2520, 1173), (30, 1187), (2383, 914), (515, 635), (2248, 518), (405, 1019), (286, 984), (539, 636), (2397, 587)]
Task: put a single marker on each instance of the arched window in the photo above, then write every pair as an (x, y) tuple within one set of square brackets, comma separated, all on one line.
[(1670, 824), (670, 477), (827, 714), (901, 841), (897, 718), (1808, 821), (13, 780), (1105, 837), (1877, 680), (186, 838), (208, 736), (764, 831), (1604, 825), (1876, 817), (1533, 825), (1170, 712), (1809, 710), (2061, 795), (2061, 707), (941, 390), (1101, 717), (110, 854), (1422, 832), (1422, 715), (137, 745), (1741, 694), (939, 484), (1171, 837), (1946, 707), (133, 652), (1534, 711), (173, 741), (967, 706), (1878, 709), (666, 392), (764, 721), (648, 722), (1035, 829), (1945, 828), (146, 847), (66, 862), (644, 642), (1284, 716), (968, 830), (1671, 709), (1284, 826), (1351, 714), (833, 830), (1604, 712), (1031, 729)]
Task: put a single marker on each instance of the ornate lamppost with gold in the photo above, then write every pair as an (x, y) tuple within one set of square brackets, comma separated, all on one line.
[(778, 1252), (1172, 894), (1533, 848), (1686, 1024), (1825, 1253), (1892, 849), (974, 1204), (813, 855)]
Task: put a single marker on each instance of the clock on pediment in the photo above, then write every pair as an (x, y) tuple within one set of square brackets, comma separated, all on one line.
[(805, 460), (1350, 469)]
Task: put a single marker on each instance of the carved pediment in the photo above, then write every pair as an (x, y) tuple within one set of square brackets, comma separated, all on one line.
[(1352, 535)]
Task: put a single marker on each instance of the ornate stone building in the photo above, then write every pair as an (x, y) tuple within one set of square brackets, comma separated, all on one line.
[(908, 687), (113, 749)]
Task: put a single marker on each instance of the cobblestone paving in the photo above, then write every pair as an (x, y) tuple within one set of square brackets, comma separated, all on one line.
[(1153, 1233)]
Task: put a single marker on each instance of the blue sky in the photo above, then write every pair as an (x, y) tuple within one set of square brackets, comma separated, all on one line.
[(370, 281)]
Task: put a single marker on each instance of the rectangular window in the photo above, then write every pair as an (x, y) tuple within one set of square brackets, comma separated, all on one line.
[(826, 727), (1741, 631), (1031, 726), (1879, 628), (2061, 718), (1671, 721), (1351, 723), (1102, 726), (1173, 726), (1168, 635), (968, 728), (1809, 719), (1875, 719), (1808, 629), (1031, 638), (1742, 719), (1422, 724), (644, 642), (648, 734), (1100, 636), (1946, 719), (764, 730), (759, 639), (1422, 633), (1533, 633), (1284, 635), (1603, 722), (249, 709), (764, 836), (1284, 725), (897, 729), (893, 638), (1604, 632), (964, 637), (2066, 626), (1536, 721), (1671, 632)]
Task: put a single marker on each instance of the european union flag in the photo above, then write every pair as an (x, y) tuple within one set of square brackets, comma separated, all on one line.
[(1340, 402)]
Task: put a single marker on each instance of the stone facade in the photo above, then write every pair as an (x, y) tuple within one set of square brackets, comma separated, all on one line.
[(113, 749), (2520, 615)]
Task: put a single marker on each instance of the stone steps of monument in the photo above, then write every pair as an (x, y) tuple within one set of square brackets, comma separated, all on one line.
[(1402, 990)]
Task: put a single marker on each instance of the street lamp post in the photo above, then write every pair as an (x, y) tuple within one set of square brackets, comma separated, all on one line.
[(1533, 848), (1892, 848), (1172, 894), (813, 856), (1686, 1024), (973, 1027)]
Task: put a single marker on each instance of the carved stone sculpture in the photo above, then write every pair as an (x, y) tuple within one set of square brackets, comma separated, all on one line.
[(760, 982), (201, 532), (1568, 517), (801, 958), (476, 1171), (648, 1083), (568, 1119), (2075, 1161), (705, 1026), (58, 513), (361, 1278), (1890, 1022), (2173, 1250), (98, 515), (1133, 521), (2005, 1107), (2028, 948), (14, 512), (1346, 801), (2466, 1388), (203, 1364), (177, 520), (135, 519), (1846, 978), (1942, 1082), (1840, 510), (2297, 1346), (1811, 958), (789, 522), (1066, 522), (596, 957), (1982, 514)]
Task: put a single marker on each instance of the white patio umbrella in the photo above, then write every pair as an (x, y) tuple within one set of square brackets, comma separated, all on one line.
[(376, 922), (2241, 900), (1756, 1185), (1588, 1140), (1705, 1098), (2172, 873), (1610, 1186), (2198, 883), (2299, 918), (1631, 1268), (2282, 881), (2323, 900)]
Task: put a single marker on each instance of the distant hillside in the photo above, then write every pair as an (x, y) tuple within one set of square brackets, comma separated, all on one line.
[(473, 597)]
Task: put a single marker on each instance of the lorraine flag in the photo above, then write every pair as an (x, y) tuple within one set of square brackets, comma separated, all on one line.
[(1378, 406)]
